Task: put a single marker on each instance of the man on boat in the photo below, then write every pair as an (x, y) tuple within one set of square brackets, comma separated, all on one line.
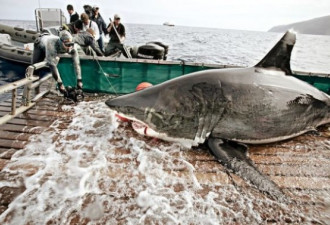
[(87, 23), (117, 35), (74, 16), (97, 18), (85, 39), (47, 47)]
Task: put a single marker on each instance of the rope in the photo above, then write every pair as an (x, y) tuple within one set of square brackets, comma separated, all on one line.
[(104, 73)]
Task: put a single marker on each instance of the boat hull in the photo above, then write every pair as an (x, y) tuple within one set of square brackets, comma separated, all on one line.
[(19, 34), (15, 54), (121, 76)]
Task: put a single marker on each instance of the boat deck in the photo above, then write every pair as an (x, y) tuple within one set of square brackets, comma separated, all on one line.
[(299, 166), (15, 134)]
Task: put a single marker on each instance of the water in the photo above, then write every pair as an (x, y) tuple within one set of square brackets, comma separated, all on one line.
[(234, 47), (98, 171), (228, 47)]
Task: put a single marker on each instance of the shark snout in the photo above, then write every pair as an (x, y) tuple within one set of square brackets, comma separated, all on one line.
[(113, 103), (119, 105), (127, 107)]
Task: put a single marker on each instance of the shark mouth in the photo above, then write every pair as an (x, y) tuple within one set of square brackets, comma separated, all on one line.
[(144, 130), (138, 126)]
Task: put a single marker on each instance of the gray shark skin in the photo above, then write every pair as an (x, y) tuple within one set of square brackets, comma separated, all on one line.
[(229, 108)]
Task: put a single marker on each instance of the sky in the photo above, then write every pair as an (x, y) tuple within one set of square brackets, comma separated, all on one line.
[(259, 15)]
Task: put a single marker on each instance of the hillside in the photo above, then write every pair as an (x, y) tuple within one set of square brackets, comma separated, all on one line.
[(318, 26)]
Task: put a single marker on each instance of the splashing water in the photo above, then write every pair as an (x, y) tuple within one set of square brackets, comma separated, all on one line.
[(97, 171)]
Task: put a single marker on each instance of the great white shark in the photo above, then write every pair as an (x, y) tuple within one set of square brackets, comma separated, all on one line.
[(230, 108)]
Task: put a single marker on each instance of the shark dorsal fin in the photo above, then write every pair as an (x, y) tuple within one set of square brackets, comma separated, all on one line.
[(279, 57)]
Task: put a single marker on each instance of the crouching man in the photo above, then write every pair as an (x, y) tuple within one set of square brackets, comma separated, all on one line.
[(47, 47)]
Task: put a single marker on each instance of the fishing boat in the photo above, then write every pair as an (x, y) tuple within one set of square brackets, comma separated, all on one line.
[(168, 24), (121, 76), (117, 74)]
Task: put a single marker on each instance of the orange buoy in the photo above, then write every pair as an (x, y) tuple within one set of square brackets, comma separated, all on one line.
[(142, 86)]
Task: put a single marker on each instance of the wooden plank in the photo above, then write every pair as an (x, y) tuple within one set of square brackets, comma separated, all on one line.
[(7, 153), (204, 161), (316, 154), (3, 208), (193, 154), (10, 193), (14, 135), (309, 195), (49, 113), (19, 83), (217, 175), (297, 160), (322, 170), (44, 102), (302, 149), (219, 178), (31, 116), (34, 111), (23, 129), (3, 163), (273, 170), (302, 182), (5, 109), (4, 143), (40, 106), (2, 150), (29, 122)]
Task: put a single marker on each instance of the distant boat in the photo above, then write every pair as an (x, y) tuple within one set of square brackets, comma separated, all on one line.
[(168, 24)]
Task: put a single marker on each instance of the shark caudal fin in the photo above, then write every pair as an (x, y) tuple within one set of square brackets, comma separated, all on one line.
[(279, 57)]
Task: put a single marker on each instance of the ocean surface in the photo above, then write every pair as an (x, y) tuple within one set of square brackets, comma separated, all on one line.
[(227, 47), (98, 171)]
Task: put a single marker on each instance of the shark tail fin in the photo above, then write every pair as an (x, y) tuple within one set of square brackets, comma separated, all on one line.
[(279, 57)]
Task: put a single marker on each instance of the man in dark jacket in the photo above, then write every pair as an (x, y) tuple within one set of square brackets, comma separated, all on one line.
[(97, 18), (73, 15), (116, 38), (85, 39)]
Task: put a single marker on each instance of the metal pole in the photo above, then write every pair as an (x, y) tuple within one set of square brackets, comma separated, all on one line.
[(126, 51), (13, 101)]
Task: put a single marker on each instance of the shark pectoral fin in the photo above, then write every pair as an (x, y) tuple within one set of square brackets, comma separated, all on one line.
[(233, 156)]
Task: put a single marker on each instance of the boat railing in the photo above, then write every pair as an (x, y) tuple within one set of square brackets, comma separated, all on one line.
[(49, 17), (302, 73), (31, 91), (151, 61)]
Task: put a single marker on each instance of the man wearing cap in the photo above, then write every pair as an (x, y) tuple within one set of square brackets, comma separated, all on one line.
[(47, 47), (116, 38), (73, 15), (90, 24), (97, 18)]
